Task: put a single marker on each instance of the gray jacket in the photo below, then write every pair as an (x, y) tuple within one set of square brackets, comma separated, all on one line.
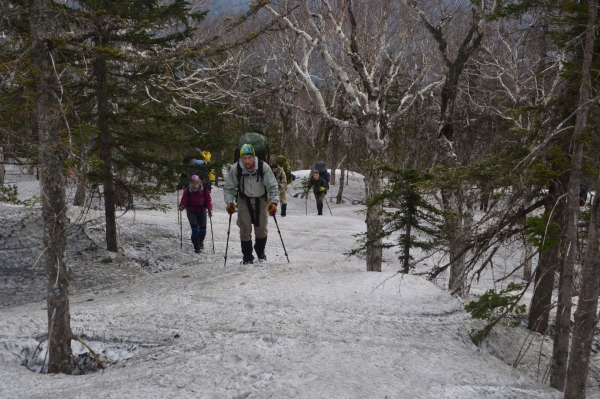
[(251, 187)]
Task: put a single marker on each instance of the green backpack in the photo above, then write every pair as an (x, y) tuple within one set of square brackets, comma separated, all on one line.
[(285, 165), (258, 141)]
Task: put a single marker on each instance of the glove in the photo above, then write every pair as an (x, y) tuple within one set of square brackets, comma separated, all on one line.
[(321, 188), (181, 208), (230, 208), (306, 189), (209, 213), (272, 209)]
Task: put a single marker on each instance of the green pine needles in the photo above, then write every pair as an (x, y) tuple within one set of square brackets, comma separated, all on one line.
[(494, 307), (417, 223)]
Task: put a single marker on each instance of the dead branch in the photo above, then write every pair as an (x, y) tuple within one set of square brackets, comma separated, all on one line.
[(96, 358)]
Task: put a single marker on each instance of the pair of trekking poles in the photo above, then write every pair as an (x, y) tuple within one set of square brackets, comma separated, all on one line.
[(180, 221), (306, 204)]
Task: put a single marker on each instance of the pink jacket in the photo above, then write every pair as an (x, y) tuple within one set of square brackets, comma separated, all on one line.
[(196, 200)]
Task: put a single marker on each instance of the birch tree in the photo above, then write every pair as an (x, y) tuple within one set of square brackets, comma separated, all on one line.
[(365, 46)]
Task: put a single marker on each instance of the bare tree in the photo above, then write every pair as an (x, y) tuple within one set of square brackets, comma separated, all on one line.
[(455, 57), (364, 46), (53, 182), (521, 70)]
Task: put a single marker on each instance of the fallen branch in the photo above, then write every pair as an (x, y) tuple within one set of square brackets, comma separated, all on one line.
[(38, 347), (96, 358)]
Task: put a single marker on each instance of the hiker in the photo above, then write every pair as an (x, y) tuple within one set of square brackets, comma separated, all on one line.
[(200, 167), (320, 188), (211, 174), (250, 181), (282, 182), (196, 201), (195, 166)]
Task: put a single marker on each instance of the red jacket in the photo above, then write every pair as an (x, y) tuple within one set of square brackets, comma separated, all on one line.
[(196, 200)]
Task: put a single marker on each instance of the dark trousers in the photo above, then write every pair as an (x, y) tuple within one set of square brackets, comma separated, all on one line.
[(197, 221)]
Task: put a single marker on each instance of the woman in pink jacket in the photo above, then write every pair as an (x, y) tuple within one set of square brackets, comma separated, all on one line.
[(196, 201)]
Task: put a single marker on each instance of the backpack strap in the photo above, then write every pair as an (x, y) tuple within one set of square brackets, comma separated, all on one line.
[(260, 174)]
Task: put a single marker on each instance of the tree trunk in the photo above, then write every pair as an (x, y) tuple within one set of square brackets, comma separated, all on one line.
[(286, 122), (340, 193), (53, 186), (541, 301), (106, 156), (374, 250), (333, 168), (563, 314), (586, 315), (453, 202), (406, 265), (527, 260), (81, 192), (2, 168), (334, 154)]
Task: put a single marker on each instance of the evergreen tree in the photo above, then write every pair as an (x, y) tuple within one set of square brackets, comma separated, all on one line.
[(414, 214), (132, 48)]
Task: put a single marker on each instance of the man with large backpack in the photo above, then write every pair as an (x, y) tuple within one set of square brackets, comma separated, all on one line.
[(250, 181)]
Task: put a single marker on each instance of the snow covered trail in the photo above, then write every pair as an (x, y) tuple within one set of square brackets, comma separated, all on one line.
[(306, 330), (318, 327)]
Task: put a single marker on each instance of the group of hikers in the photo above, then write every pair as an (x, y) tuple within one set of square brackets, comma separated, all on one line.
[(255, 189)]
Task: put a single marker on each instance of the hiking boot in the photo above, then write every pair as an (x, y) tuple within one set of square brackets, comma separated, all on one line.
[(247, 262), (259, 247), (195, 241), (283, 210), (247, 252)]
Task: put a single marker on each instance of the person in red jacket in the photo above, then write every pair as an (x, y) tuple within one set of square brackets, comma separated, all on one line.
[(196, 200)]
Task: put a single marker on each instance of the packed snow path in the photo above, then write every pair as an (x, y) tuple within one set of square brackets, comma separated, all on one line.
[(318, 327)]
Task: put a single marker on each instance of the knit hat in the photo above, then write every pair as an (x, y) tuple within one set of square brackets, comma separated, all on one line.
[(246, 149), (274, 165), (195, 178)]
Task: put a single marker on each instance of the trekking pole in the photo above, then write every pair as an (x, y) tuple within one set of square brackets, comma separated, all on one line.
[(279, 231), (180, 231), (211, 232), (227, 246), (179, 217), (327, 202)]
